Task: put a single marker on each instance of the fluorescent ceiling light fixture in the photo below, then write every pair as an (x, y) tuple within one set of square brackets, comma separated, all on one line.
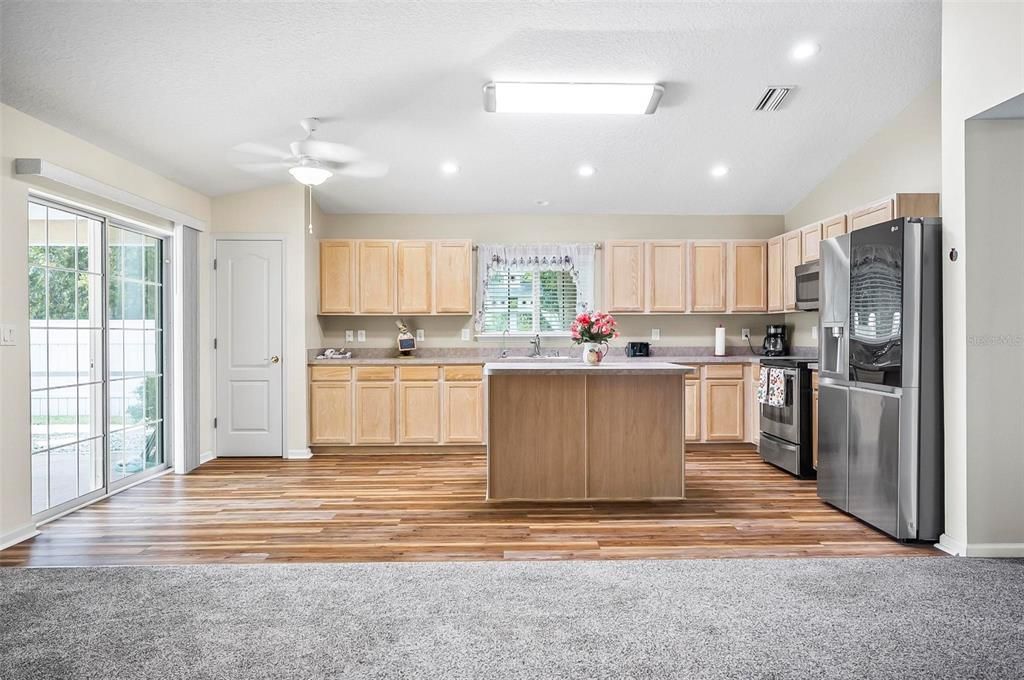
[(586, 170), (720, 171), (804, 50), (310, 174), (449, 168), (578, 98)]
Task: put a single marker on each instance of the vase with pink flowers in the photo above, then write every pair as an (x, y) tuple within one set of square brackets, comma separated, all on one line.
[(593, 330)]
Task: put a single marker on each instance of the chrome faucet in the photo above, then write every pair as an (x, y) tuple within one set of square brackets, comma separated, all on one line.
[(504, 349), (535, 343)]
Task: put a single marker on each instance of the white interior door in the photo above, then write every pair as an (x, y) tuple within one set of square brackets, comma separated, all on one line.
[(249, 341)]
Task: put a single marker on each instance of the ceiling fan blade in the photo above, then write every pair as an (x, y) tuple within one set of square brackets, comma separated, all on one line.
[(260, 149), (263, 167), (326, 151), (364, 169)]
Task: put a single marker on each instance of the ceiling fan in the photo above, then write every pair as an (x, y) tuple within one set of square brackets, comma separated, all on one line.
[(311, 161)]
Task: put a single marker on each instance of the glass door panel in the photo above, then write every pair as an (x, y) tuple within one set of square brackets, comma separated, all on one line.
[(66, 354), (135, 351)]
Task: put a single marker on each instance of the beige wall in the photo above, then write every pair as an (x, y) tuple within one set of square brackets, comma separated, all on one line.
[(280, 210), (982, 66), (690, 330), (904, 156), (23, 136)]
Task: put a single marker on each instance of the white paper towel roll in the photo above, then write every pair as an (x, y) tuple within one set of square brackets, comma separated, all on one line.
[(720, 341)]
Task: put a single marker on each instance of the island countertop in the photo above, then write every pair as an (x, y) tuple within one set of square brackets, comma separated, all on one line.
[(577, 367)]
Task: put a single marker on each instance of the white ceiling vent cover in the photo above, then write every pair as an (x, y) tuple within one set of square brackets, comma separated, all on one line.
[(773, 97)]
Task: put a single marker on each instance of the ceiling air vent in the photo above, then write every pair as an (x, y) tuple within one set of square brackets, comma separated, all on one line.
[(773, 97)]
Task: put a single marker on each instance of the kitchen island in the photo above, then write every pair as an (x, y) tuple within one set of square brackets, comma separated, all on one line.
[(571, 431)]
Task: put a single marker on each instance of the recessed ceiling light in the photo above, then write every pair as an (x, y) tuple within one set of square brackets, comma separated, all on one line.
[(804, 50), (586, 170), (542, 203), (579, 98), (450, 168), (720, 171)]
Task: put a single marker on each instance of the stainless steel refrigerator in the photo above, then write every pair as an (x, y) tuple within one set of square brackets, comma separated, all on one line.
[(880, 432)]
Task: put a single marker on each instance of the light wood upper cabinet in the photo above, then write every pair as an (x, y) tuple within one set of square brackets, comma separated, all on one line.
[(748, 276), (415, 277), (375, 412), (833, 226), (723, 410), (376, 277), (453, 277), (776, 266), (810, 237), (330, 413), (463, 412), (624, 276), (337, 277), (666, 261), (691, 406), (791, 257), (707, 276), (876, 213), (419, 409)]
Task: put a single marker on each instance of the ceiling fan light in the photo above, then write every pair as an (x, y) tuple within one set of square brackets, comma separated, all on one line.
[(310, 175)]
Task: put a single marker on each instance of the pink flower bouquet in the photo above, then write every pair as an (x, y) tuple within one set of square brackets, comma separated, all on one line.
[(597, 327)]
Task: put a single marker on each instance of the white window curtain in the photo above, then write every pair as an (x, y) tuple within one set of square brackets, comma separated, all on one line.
[(575, 258)]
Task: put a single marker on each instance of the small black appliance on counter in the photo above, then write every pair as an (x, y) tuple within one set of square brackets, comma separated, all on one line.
[(638, 349), (775, 340)]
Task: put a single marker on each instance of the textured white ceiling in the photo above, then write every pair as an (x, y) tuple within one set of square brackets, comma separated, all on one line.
[(174, 86)]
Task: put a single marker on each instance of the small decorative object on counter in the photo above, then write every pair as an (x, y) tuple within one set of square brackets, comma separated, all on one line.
[(330, 353), (406, 340), (593, 330)]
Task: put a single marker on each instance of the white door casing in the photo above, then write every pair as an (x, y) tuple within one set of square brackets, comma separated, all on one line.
[(249, 334)]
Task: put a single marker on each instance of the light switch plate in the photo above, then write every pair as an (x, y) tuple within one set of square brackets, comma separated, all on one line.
[(360, 336), (6, 335), (745, 334), (814, 332), (465, 334), (420, 335), (350, 336), (655, 334)]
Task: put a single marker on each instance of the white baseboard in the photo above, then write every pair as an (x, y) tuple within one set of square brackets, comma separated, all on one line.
[(951, 545), (995, 549), (18, 535), (298, 454), (206, 457)]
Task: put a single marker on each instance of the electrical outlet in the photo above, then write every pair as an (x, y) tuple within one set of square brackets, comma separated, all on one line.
[(465, 334), (655, 334), (814, 332), (350, 336), (360, 336), (420, 336), (745, 334), (6, 335)]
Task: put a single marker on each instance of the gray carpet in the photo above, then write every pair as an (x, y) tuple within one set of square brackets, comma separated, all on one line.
[(822, 618)]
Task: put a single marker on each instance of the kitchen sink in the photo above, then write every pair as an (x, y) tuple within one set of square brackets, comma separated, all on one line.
[(537, 359)]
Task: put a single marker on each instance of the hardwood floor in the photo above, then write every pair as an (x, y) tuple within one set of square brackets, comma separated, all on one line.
[(400, 506)]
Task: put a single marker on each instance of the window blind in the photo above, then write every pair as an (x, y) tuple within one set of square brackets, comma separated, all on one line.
[(542, 301)]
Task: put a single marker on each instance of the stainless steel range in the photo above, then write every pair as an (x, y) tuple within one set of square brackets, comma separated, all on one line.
[(786, 430)]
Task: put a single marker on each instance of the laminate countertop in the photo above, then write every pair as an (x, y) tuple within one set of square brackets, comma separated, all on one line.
[(479, 361), (579, 368)]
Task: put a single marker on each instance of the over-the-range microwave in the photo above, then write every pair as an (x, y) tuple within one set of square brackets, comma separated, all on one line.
[(807, 286)]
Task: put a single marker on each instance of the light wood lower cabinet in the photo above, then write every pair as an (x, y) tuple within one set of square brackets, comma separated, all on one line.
[(463, 412), (419, 412), (691, 417), (408, 405), (375, 413), (723, 410), (330, 413)]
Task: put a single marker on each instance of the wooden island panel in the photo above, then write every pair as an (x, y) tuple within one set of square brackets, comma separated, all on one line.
[(654, 426), (536, 431)]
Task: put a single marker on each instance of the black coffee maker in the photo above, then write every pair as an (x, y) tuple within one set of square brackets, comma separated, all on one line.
[(774, 340)]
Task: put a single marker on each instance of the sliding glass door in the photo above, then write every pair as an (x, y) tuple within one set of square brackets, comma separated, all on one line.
[(97, 355)]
